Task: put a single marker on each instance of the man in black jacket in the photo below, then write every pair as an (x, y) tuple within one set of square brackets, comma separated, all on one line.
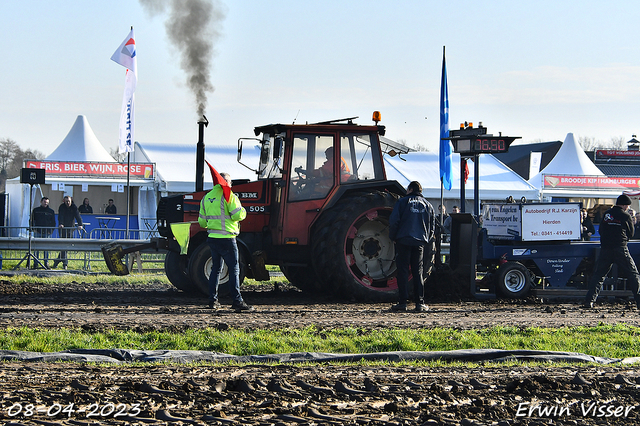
[(616, 228), (68, 215), (43, 220), (411, 226)]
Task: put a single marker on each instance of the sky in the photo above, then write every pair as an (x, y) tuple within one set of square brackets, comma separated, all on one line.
[(535, 69)]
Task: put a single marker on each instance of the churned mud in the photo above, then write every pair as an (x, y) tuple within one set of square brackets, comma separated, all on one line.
[(78, 394)]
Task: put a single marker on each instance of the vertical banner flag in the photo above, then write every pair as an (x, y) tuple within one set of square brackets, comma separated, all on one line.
[(126, 56), (445, 145)]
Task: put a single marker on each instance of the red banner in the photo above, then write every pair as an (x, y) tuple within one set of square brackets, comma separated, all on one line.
[(92, 169), (590, 182), (610, 153)]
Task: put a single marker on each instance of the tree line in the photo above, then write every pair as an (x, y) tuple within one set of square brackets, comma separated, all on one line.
[(12, 159)]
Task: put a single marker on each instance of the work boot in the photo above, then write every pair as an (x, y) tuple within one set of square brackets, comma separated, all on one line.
[(421, 307), (588, 304), (215, 305), (55, 264), (400, 307), (242, 307)]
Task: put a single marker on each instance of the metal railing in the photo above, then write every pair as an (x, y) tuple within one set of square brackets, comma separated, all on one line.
[(79, 244), (95, 233)]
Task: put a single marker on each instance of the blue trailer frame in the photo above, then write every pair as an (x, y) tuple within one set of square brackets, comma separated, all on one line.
[(565, 265)]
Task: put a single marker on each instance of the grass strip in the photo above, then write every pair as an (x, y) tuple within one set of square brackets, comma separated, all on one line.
[(614, 341)]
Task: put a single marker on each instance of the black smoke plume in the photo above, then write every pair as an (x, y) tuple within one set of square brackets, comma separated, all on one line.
[(193, 27)]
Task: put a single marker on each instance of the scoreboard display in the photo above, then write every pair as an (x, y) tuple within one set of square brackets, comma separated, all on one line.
[(482, 145)]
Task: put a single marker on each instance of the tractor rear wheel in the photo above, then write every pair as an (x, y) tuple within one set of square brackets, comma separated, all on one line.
[(175, 267), (199, 270), (352, 252)]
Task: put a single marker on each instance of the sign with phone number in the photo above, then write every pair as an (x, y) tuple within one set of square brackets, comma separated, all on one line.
[(551, 222)]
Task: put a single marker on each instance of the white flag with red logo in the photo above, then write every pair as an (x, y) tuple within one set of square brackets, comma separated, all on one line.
[(125, 55)]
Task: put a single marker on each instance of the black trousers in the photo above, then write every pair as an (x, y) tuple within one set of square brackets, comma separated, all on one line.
[(410, 258), (621, 257)]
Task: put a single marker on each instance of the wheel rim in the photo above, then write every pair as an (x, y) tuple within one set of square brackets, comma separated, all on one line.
[(514, 281), (370, 252), (224, 273)]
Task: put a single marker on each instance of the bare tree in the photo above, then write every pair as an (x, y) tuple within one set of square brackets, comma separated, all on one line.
[(116, 155), (589, 144), (420, 147), (8, 151), (12, 159), (618, 143)]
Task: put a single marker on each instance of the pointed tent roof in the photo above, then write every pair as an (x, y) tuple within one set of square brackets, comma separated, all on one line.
[(81, 144), (569, 160)]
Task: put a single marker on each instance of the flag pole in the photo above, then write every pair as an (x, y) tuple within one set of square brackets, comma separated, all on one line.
[(128, 190), (129, 187)]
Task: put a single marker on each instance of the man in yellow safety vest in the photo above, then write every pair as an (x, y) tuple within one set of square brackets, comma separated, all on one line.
[(221, 214)]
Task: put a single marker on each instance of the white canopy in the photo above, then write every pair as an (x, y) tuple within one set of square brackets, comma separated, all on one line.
[(81, 144), (497, 181), (571, 160), (176, 164)]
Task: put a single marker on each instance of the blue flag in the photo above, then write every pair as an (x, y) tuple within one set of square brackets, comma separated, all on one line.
[(445, 145)]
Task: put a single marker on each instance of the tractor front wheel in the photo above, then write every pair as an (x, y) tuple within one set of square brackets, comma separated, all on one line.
[(199, 270)]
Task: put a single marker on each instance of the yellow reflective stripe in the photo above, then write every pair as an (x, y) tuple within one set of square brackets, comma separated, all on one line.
[(207, 217), (216, 231)]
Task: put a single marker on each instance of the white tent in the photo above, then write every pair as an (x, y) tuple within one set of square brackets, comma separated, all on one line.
[(176, 164), (81, 144), (572, 163), (497, 181)]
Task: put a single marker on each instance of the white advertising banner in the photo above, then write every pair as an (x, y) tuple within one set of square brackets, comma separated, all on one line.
[(502, 221), (551, 222)]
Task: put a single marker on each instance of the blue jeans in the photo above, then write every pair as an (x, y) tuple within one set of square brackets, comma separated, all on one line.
[(224, 249)]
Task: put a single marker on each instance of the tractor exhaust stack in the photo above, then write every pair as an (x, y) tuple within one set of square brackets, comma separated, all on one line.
[(200, 154)]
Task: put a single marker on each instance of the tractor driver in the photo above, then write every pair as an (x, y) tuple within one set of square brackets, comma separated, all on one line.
[(324, 174)]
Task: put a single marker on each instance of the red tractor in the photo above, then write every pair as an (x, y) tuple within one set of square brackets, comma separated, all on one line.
[(319, 209)]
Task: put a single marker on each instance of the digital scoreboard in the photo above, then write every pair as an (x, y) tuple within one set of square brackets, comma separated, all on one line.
[(471, 140), (482, 144)]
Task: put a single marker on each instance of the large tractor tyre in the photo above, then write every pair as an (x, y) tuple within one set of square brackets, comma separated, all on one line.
[(353, 255), (514, 280), (199, 270), (302, 277), (175, 267)]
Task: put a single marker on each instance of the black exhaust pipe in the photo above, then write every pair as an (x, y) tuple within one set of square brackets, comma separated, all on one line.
[(200, 154)]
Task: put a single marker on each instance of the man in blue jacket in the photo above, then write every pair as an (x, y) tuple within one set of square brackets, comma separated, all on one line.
[(616, 228), (412, 225)]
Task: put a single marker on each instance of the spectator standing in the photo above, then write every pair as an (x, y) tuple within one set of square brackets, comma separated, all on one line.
[(636, 231), (587, 226), (111, 208), (411, 226), (85, 207), (442, 217), (447, 221), (615, 230), (221, 217), (68, 220), (43, 221)]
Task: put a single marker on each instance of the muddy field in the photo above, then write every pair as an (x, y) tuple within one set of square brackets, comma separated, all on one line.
[(73, 393)]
